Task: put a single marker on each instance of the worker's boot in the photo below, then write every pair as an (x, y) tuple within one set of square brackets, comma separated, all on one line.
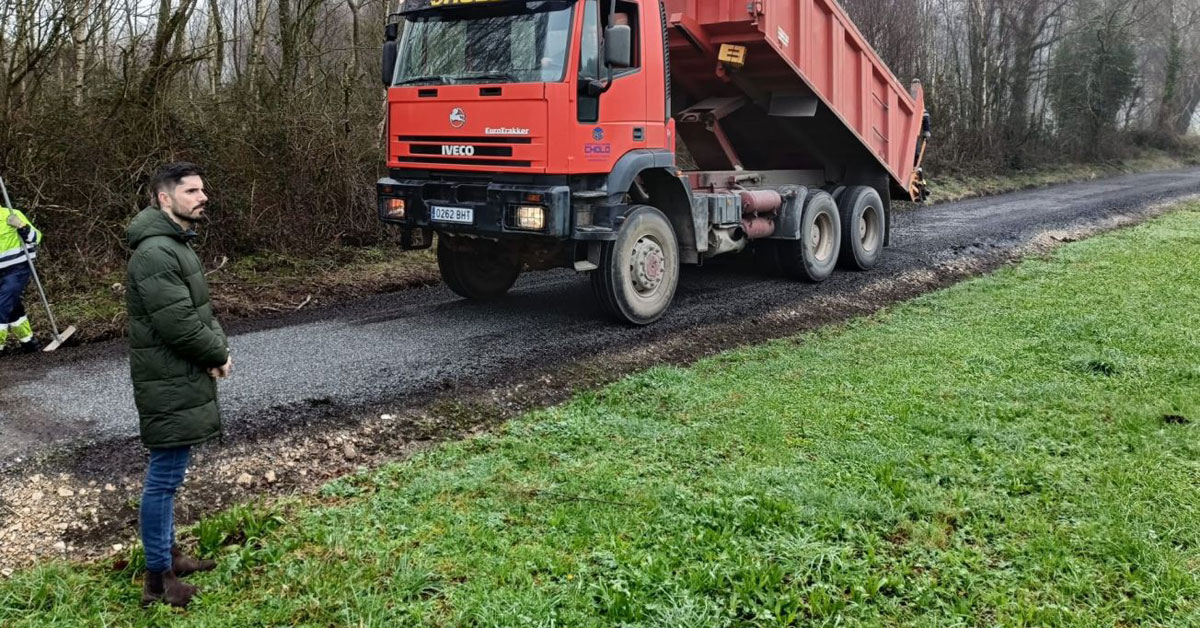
[(182, 564), (167, 588), (24, 332)]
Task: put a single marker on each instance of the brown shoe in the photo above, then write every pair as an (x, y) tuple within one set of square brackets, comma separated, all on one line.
[(167, 588), (182, 564)]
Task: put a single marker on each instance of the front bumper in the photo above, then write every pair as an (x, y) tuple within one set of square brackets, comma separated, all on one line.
[(493, 206)]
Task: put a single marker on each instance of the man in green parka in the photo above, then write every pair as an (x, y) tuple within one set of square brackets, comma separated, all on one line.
[(177, 351)]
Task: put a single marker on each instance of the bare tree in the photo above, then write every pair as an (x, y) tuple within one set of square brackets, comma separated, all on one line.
[(258, 42), (78, 18), (216, 45)]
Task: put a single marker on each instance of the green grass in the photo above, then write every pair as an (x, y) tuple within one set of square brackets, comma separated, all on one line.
[(1016, 450)]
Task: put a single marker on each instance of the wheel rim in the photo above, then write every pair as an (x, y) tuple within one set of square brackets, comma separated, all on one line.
[(821, 238), (868, 229), (647, 266)]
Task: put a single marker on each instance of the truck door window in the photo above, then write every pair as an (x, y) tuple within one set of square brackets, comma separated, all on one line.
[(588, 107), (589, 48), (595, 18), (627, 13)]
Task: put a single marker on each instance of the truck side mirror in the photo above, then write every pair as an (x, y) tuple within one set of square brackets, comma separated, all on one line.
[(618, 46), (388, 68)]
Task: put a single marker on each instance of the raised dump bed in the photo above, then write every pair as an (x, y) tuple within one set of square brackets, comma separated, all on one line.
[(821, 97)]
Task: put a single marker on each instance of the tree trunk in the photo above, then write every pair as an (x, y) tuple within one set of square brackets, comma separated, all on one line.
[(257, 43), (1024, 51), (7, 13), (979, 54), (288, 55), (216, 43), (105, 35), (355, 37), (162, 64), (1169, 108), (79, 39)]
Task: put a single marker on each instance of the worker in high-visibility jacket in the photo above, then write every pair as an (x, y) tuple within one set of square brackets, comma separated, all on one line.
[(15, 228)]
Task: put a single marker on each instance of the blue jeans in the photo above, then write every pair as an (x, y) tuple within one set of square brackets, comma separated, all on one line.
[(163, 477), (12, 283)]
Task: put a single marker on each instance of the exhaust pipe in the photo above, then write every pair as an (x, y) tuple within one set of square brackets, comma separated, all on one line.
[(725, 240)]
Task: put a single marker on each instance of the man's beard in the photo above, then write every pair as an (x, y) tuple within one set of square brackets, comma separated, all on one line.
[(188, 220)]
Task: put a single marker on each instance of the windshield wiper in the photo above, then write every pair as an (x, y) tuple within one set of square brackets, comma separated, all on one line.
[(441, 79), (499, 76)]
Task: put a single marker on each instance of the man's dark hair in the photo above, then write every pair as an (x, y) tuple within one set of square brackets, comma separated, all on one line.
[(169, 176)]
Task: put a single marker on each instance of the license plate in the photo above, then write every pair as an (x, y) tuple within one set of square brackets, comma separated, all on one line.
[(464, 215)]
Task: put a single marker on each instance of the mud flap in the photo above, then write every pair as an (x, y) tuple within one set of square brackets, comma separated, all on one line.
[(415, 238)]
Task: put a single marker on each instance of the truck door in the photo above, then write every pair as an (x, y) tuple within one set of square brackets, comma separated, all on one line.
[(615, 122)]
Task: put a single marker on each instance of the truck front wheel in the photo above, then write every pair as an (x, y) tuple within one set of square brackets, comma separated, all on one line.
[(638, 272), (479, 270)]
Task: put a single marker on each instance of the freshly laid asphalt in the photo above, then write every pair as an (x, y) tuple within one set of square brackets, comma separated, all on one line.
[(393, 347)]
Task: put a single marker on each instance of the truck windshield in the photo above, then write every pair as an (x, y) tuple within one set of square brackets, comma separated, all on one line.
[(501, 42)]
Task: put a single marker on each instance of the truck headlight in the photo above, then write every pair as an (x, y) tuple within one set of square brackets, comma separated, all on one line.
[(531, 217), (395, 208)]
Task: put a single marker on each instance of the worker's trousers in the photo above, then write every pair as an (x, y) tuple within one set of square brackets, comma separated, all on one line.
[(164, 476), (12, 312)]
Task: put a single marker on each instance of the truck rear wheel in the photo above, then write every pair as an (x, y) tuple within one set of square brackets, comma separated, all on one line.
[(638, 272), (863, 224), (814, 255), (479, 270)]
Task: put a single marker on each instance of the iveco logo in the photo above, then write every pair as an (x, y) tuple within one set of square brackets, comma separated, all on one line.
[(458, 117), (453, 149)]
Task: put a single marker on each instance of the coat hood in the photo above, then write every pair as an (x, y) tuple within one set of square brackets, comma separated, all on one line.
[(152, 222)]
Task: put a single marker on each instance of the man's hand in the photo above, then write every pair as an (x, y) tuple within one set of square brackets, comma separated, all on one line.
[(14, 221), (223, 371)]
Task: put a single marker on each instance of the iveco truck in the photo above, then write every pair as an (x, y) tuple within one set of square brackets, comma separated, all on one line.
[(625, 138)]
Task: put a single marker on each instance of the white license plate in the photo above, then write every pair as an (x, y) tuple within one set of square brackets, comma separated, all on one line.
[(464, 215)]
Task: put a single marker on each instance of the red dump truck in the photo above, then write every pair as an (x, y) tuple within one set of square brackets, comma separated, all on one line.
[(532, 134)]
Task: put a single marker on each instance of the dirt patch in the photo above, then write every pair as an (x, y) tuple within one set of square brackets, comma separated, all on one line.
[(83, 506)]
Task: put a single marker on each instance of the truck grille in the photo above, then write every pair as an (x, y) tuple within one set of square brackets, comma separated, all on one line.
[(466, 193), (463, 150)]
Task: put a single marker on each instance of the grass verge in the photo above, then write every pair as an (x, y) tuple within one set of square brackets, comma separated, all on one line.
[(1018, 449), (945, 187), (250, 287)]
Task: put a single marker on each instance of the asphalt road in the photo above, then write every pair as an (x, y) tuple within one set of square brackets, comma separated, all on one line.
[(393, 347)]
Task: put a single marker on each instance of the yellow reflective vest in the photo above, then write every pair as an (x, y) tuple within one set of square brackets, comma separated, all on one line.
[(11, 252)]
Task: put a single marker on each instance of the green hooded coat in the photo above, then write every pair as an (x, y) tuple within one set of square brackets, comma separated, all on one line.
[(173, 336)]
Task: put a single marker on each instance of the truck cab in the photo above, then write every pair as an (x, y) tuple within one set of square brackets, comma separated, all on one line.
[(538, 134)]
